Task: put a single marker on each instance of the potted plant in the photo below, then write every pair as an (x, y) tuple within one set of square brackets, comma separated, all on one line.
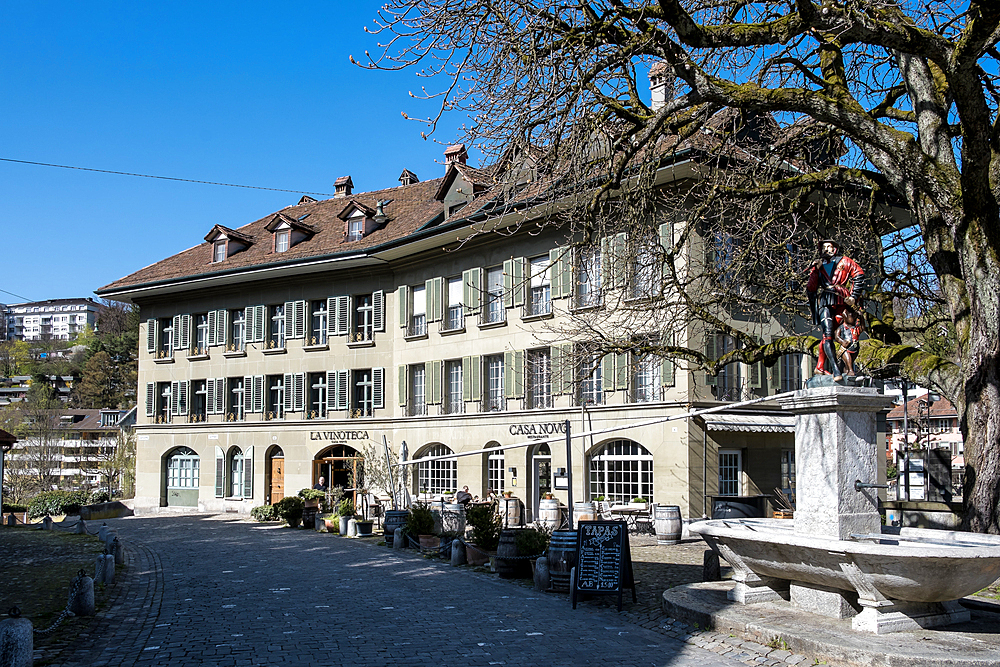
[(290, 510), (639, 503), (486, 526), (420, 524), (311, 497), (346, 512), (548, 496)]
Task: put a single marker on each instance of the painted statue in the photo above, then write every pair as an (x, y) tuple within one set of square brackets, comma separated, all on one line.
[(848, 337), (836, 282)]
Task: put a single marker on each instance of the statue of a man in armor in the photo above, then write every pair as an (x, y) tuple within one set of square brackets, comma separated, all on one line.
[(835, 282)]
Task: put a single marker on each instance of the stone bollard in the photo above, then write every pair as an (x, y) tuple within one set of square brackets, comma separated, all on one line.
[(110, 537), (81, 527), (47, 523), (542, 573), (109, 569), (457, 553), (17, 641), (10, 519), (352, 528), (118, 549), (99, 570), (102, 531), (399, 539), (81, 601)]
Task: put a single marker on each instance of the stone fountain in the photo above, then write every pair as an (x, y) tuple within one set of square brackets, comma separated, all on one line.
[(835, 558)]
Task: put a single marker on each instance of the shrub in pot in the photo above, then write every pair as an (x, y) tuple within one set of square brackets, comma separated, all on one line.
[(312, 497), (420, 525), (289, 509), (486, 526)]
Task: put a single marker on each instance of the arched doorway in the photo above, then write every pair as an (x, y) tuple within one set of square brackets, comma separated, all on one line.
[(621, 470), (275, 472), (183, 475), (339, 466)]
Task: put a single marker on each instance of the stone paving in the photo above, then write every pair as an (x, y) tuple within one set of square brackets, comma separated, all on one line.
[(216, 590)]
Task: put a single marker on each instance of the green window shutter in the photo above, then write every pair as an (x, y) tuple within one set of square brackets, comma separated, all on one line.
[(434, 383), (403, 304), (508, 283), (475, 381), (520, 283), (466, 378), (776, 372), (472, 289), (248, 473), (513, 368), (557, 362), (619, 260), (710, 352), (621, 371), (608, 372), (667, 373), (565, 270), (667, 241), (756, 372), (555, 274), (433, 290), (402, 385), (562, 368), (220, 472)]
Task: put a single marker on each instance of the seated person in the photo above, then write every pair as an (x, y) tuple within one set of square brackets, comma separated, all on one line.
[(463, 497)]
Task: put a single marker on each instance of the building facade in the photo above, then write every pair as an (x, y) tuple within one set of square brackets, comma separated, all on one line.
[(54, 319), (279, 352)]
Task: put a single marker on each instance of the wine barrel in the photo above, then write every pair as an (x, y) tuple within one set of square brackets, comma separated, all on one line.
[(393, 519), (584, 512), (510, 512), (507, 565), (549, 513), (453, 518), (562, 558), (667, 523)]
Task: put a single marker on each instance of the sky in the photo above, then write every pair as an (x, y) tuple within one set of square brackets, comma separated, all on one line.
[(249, 93)]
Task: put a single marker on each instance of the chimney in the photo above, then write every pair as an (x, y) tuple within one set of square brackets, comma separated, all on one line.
[(455, 153), (661, 84), (408, 178), (343, 187)]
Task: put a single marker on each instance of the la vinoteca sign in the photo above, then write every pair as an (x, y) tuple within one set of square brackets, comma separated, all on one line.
[(338, 436), (539, 430)]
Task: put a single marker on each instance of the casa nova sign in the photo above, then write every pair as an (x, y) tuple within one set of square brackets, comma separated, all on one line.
[(538, 430)]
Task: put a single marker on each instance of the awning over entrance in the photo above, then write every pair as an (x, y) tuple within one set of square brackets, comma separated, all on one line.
[(751, 423)]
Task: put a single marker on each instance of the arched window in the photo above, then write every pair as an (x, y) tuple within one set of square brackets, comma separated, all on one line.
[(495, 469), (437, 476), (183, 469), (620, 471)]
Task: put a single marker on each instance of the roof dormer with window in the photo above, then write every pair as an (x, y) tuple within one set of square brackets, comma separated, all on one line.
[(361, 220), (287, 232), (226, 242)]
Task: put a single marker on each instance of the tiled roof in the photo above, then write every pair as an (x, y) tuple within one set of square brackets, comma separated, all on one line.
[(940, 409), (409, 208)]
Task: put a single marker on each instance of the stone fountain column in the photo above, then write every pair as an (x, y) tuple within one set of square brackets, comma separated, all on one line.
[(835, 446)]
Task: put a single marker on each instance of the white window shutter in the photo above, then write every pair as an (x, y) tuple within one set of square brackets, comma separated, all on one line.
[(222, 327), (258, 393), (289, 392), (343, 389), (150, 399), (260, 322), (151, 335), (220, 395), (248, 325), (378, 310), (177, 332), (401, 384), (340, 315), (174, 397), (378, 388), (185, 332), (300, 393), (332, 385), (210, 396), (247, 394), (295, 319), (403, 304), (331, 316), (182, 402), (213, 328)]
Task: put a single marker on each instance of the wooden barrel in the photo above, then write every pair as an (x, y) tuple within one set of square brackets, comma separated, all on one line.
[(393, 519), (549, 513), (453, 518), (667, 523), (506, 564), (562, 558), (584, 512), (510, 512)]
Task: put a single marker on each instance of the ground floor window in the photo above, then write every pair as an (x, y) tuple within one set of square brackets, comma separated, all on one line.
[(494, 471), (730, 472), (621, 470), (437, 476), (236, 472), (183, 468)]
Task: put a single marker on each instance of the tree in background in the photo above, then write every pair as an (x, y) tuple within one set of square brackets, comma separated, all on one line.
[(14, 357), (116, 464), (34, 461), (874, 120), (110, 374)]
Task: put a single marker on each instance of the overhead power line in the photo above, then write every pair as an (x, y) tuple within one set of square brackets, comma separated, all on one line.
[(164, 178), (17, 295)]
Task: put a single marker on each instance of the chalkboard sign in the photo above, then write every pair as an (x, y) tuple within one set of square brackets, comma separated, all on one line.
[(604, 560)]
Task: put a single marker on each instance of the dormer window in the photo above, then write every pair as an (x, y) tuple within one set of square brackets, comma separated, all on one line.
[(226, 242), (281, 238), (219, 251), (356, 228)]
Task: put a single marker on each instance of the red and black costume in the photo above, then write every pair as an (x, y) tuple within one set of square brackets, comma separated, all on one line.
[(830, 283)]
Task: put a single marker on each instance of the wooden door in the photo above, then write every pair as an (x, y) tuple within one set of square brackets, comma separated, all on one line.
[(277, 479)]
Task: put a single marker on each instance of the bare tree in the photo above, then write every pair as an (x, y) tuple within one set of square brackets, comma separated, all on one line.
[(884, 116), (34, 421)]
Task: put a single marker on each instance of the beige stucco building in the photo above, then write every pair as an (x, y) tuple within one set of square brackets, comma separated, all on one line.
[(273, 353)]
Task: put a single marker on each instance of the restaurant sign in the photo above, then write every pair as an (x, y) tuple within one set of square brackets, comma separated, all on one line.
[(539, 430), (338, 436)]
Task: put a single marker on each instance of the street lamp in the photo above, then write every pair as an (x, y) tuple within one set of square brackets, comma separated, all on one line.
[(6, 444)]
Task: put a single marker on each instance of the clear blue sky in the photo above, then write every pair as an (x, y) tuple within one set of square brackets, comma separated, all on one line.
[(251, 93)]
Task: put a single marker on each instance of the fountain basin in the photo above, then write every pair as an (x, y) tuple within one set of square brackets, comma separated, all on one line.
[(910, 564)]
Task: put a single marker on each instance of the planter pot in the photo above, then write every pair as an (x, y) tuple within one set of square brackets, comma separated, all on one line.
[(311, 503), (431, 542), (474, 556), (343, 524), (365, 528), (330, 523)]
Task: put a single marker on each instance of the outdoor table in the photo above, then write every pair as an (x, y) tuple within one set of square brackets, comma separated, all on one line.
[(630, 515)]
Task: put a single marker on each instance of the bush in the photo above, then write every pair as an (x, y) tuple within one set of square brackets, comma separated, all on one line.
[(264, 513), (289, 509), (420, 521), (533, 541), (99, 497), (14, 507), (346, 507), (57, 502), (486, 525)]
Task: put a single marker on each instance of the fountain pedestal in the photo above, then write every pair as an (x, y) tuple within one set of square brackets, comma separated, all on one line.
[(835, 446)]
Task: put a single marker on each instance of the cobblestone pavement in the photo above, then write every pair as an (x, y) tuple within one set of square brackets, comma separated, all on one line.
[(215, 590)]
